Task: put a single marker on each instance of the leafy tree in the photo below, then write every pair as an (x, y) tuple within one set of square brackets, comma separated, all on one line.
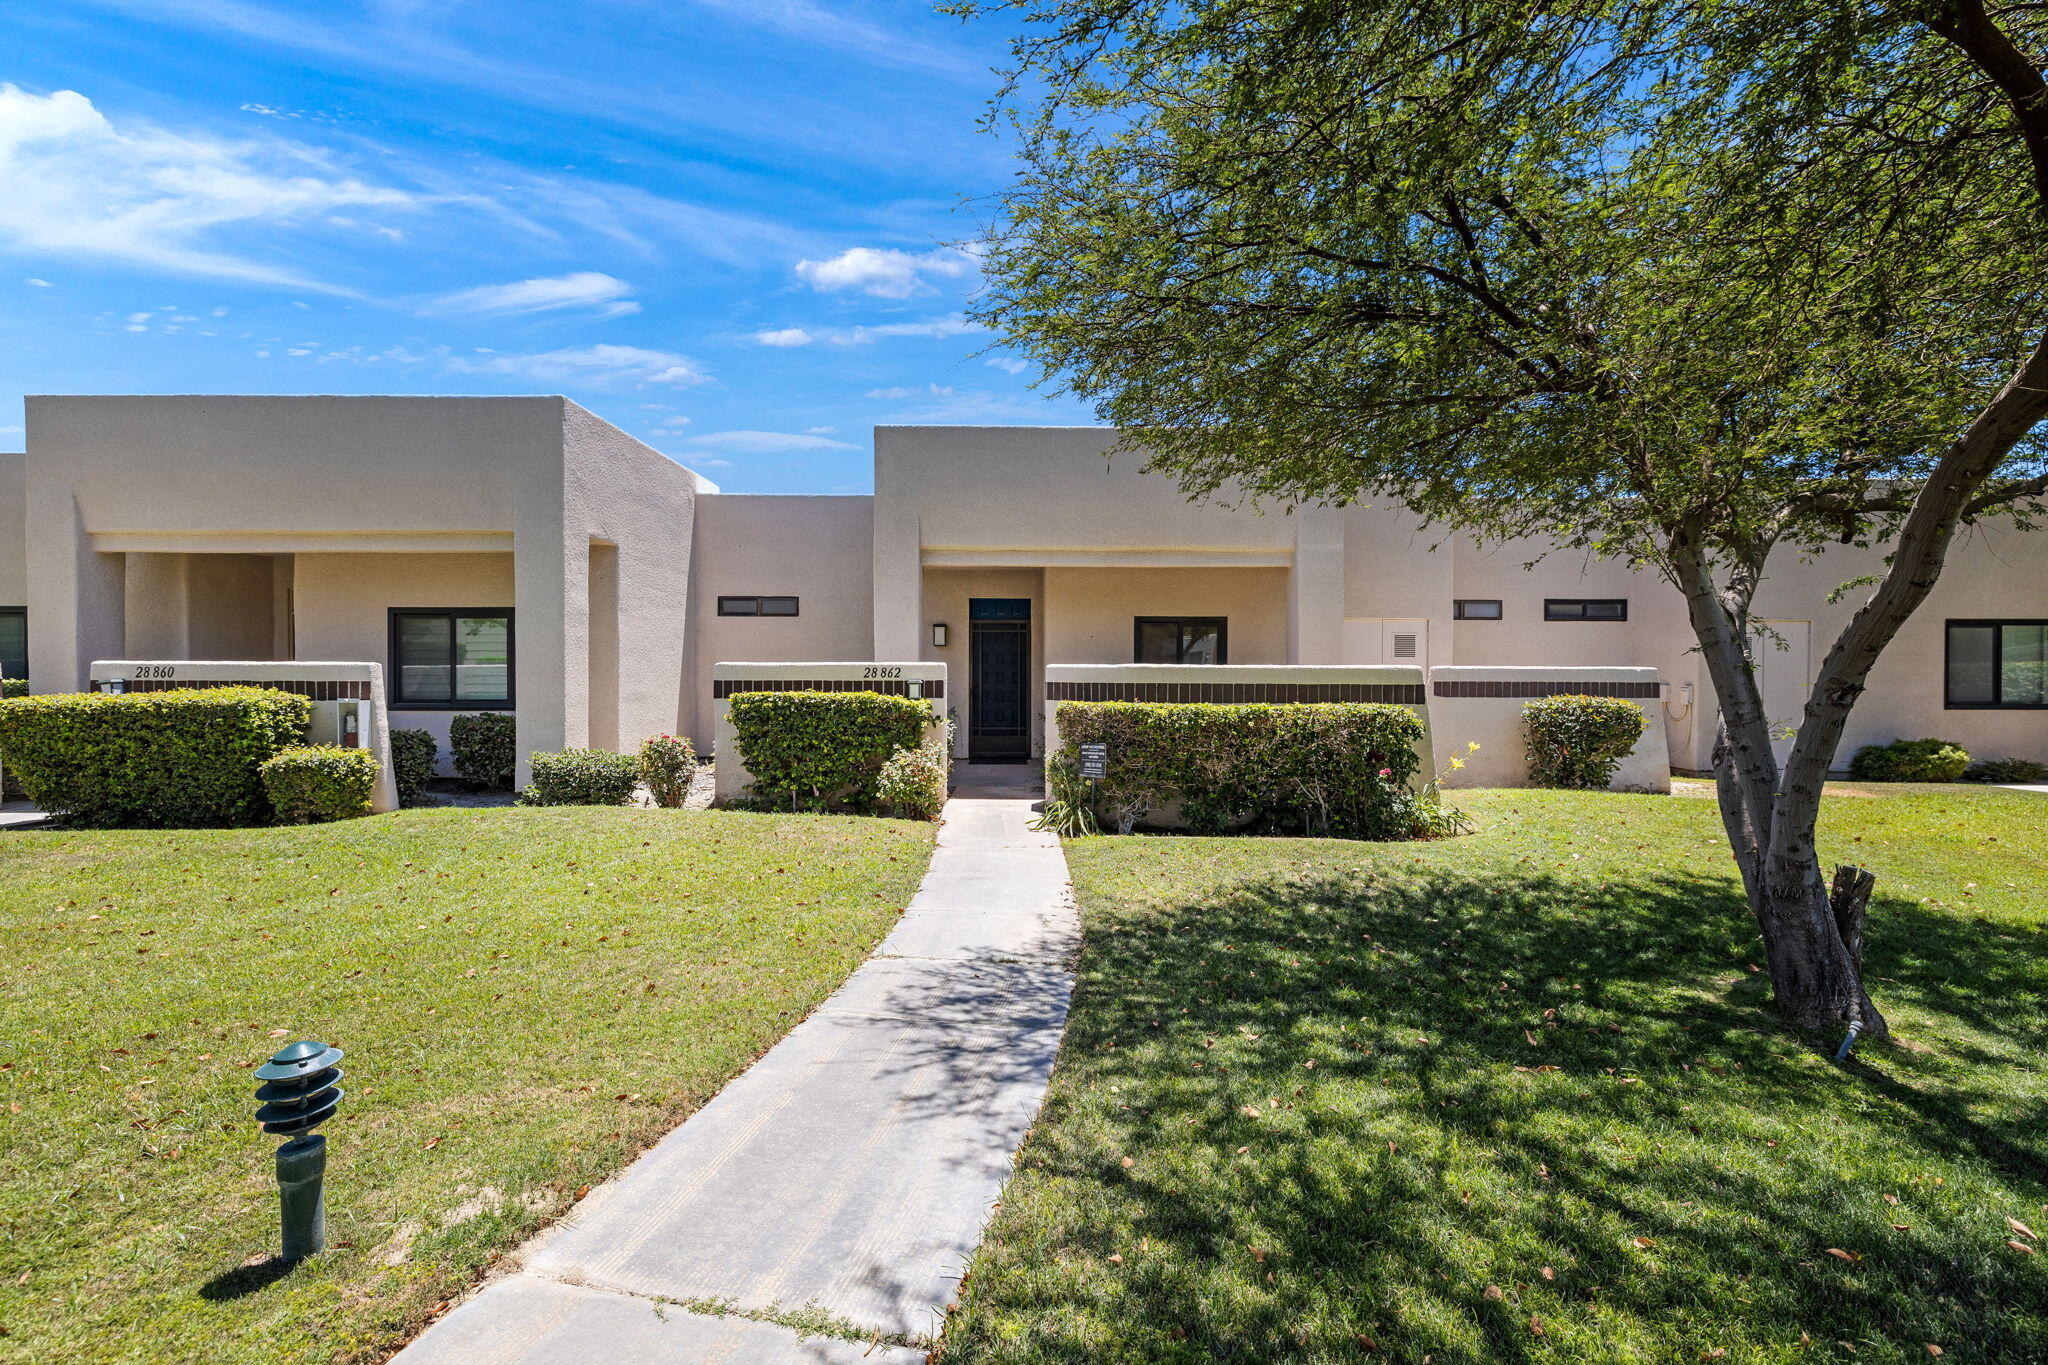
[(1691, 285)]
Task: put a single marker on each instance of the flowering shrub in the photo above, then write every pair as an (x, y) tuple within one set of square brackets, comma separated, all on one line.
[(315, 783), (413, 756), (1910, 760), (666, 765), (1336, 768), (822, 750), (582, 777), (486, 749), (912, 783), (1577, 741)]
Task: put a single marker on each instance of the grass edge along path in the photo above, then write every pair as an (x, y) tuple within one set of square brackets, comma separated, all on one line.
[(528, 999), (1520, 1097)]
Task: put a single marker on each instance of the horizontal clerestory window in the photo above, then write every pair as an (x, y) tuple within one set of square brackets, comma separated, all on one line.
[(451, 660), (1997, 665), (1476, 609), (13, 642), (757, 606), (1585, 609), (1181, 640)]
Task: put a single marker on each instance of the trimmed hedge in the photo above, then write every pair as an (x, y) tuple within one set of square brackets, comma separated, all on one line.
[(1342, 769), (485, 747), (13, 687), (667, 764), (1910, 760), (822, 750), (188, 758), (2006, 770), (414, 755), (315, 783), (1577, 741), (582, 777)]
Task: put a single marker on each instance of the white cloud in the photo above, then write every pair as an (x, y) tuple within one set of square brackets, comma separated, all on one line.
[(711, 464), (930, 328), (80, 185), (767, 442), (784, 336), (821, 431), (928, 391), (583, 289), (675, 423), (885, 272), (1008, 364), (595, 365), (39, 284)]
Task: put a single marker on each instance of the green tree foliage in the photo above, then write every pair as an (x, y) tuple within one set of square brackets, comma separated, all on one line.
[(1686, 284)]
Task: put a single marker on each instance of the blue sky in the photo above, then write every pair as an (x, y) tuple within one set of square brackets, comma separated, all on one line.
[(733, 227)]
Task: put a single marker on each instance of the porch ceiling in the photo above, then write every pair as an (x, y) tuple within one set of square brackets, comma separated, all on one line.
[(1077, 557), (299, 542)]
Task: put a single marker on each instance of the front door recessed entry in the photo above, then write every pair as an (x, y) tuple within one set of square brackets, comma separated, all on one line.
[(999, 677)]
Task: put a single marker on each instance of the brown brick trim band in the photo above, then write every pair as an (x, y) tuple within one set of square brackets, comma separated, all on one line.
[(312, 691), (1269, 693), (1639, 691), (934, 688)]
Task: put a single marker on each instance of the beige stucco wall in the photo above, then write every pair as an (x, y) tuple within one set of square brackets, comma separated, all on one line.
[(202, 606), (1089, 612), (343, 609), (13, 530), (1495, 725), (947, 593), (817, 549)]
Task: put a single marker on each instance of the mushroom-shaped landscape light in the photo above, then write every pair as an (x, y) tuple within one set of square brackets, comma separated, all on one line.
[(301, 1090)]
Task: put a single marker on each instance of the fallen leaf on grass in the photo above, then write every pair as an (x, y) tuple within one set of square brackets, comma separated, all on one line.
[(1536, 1326), (2017, 1245), (1493, 1294), (1547, 1273), (1646, 1243), (2022, 1229), (1842, 1255)]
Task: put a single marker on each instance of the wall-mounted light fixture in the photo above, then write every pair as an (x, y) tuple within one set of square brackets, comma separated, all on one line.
[(112, 686), (915, 689), (938, 635)]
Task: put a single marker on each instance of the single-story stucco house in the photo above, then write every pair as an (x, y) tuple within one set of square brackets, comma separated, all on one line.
[(522, 554)]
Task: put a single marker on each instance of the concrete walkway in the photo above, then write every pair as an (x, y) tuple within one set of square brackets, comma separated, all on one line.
[(850, 1171)]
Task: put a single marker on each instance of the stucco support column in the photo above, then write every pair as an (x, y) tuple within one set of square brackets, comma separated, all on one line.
[(76, 595), (1315, 587), (549, 595), (899, 585), (158, 607)]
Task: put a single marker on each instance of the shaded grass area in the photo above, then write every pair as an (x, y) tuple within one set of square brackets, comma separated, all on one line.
[(1520, 1097), (527, 998)]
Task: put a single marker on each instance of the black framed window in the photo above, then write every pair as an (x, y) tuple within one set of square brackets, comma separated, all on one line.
[(13, 642), (757, 606), (1180, 640), (452, 659), (1585, 609), (1996, 665), (1476, 609)]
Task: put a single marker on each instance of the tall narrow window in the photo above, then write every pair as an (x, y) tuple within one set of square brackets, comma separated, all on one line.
[(451, 660), (1181, 640), (13, 642), (1997, 665)]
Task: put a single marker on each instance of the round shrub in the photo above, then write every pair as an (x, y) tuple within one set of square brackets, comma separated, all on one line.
[(485, 748), (414, 755), (2023, 770), (180, 759), (582, 777), (1910, 760), (1577, 741), (822, 749), (666, 765), (315, 783), (1331, 768), (912, 783)]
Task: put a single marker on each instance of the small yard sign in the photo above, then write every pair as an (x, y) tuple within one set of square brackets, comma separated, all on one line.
[(1095, 761)]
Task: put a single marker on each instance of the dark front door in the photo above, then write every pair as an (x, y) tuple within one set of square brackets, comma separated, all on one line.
[(999, 693)]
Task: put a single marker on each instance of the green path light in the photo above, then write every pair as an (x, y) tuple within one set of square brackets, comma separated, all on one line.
[(301, 1090)]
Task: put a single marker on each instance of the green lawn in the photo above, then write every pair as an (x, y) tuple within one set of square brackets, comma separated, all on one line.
[(527, 998), (1520, 1097)]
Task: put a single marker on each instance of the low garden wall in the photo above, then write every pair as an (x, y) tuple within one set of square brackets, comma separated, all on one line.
[(336, 689), (1273, 684), (1484, 705), (926, 680)]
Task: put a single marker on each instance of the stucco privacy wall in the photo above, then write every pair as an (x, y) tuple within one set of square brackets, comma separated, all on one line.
[(13, 530), (816, 549), (899, 679), (1401, 684), (330, 686), (344, 603), (1470, 705)]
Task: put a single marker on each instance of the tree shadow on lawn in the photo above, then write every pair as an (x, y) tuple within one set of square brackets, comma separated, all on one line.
[(1461, 1078)]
